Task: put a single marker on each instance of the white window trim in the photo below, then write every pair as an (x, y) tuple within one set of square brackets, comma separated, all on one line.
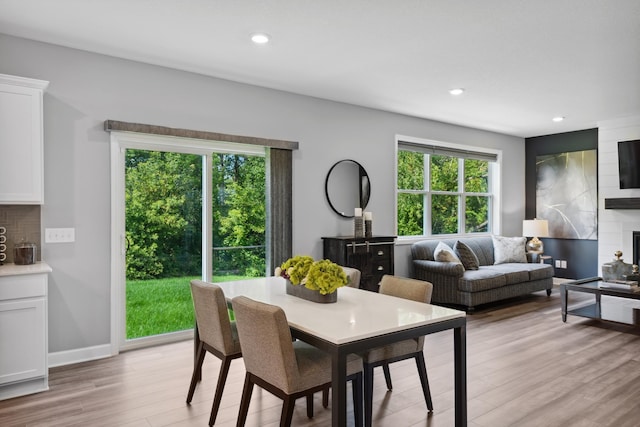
[(495, 184)]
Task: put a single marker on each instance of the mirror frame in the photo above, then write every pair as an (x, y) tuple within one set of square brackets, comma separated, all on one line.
[(365, 188)]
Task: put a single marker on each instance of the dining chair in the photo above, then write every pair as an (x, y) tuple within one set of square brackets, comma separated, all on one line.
[(412, 289), (216, 334), (286, 368), (354, 276)]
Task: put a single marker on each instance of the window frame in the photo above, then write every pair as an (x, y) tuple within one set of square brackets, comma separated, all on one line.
[(448, 148)]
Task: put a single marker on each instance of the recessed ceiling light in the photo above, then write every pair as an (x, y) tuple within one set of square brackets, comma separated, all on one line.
[(456, 91), (558, 119), (260, 38)]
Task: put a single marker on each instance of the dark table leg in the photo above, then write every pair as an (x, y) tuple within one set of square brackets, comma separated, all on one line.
[(339, 389), (460, 360), (563, 302)]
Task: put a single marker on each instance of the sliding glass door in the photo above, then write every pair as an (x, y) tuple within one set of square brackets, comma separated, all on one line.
[(183, 210)]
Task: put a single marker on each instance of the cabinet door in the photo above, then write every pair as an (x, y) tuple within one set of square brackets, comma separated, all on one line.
[(21, 179), (22, 337)]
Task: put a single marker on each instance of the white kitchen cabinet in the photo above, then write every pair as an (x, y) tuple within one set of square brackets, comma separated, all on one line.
[(23, 330), (21, 140)]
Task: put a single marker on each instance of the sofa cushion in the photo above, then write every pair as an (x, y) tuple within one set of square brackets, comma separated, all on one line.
[(444, 253), (539, 271), (513, 272), (481, 280), (509, 249), (467, 257)]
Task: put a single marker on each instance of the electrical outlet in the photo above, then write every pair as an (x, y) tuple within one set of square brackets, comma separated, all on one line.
[(59, 235), (563, 264)]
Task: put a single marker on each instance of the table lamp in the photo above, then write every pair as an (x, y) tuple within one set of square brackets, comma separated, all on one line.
[(535, 228)]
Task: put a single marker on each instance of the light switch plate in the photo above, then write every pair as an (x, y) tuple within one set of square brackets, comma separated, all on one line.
[(59, 235)]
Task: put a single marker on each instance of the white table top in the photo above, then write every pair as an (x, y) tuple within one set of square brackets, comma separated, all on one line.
[(356, 315)]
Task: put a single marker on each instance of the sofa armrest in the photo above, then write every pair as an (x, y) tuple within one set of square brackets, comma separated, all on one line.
[(438, 267)]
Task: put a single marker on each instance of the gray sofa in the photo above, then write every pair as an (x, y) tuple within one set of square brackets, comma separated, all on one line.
[(452, 284)]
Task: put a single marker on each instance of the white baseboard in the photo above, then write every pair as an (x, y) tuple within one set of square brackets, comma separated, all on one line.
[(78, 355)]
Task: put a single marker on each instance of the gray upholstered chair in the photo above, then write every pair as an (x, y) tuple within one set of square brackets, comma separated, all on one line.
[(412, 289), (285, 368), (217, 335), (354, 276)]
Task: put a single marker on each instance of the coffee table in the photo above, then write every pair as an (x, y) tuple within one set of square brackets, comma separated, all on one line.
[(594, 311)]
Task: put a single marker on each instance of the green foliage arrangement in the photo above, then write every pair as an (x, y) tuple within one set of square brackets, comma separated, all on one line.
[(323, 276), (295, 269)]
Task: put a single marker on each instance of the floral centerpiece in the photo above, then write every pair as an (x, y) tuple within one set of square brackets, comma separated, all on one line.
[(295, 269), (314, 280)]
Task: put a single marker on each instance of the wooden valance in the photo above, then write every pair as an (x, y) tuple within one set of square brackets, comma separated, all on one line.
[(114, 125)]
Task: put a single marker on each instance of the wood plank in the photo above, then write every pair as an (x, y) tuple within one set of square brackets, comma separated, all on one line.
[(525, 367)]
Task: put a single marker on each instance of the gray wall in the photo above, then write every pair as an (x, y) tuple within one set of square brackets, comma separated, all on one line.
[(86, 89)]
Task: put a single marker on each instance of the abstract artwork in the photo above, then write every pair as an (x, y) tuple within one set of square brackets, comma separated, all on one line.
[(567, 194)]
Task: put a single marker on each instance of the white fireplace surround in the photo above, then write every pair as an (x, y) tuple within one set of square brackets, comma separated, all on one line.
[(615, 226)]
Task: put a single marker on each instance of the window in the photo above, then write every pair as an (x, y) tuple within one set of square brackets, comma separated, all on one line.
[(444, 189)]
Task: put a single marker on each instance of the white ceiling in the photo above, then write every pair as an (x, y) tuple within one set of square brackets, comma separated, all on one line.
[(521, 62)]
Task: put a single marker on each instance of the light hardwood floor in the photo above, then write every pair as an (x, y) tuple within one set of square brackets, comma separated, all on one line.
[(525, 368)]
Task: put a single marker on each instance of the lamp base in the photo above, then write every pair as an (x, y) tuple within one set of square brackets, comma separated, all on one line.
[(535, 246)]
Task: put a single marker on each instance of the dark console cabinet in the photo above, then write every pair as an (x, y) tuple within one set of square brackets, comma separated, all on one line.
[(373, 256)]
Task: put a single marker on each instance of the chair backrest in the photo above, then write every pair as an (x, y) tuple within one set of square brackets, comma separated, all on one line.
[(354, 276), (411, 289), (402, 287), (266, 342), (212, 317)]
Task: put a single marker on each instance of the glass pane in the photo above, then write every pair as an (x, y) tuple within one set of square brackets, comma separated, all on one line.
[(163, 214), (444, 173), (410, 170), (476, 176), (410, 214), (477, 214), (444, 214), (239, 217)]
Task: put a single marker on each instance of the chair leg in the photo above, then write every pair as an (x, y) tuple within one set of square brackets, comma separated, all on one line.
[(387, 376), (368, 394), (287, 411), (245, 400), (197, 369), (310, 405), (422, 373), (222, 378), (325, 397)]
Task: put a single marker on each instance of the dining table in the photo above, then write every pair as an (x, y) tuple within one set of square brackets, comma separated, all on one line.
[(360, 320)]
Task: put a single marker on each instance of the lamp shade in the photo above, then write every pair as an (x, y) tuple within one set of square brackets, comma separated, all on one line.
[(535, 228)]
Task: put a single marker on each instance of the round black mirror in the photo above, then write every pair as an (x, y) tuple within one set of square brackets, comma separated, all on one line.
[(347, 187)]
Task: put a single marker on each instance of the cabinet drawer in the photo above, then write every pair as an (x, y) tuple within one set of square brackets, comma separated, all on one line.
[(381, 267), (381, 253), (23, 286)]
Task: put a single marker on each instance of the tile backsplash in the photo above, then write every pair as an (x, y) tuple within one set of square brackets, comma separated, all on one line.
[(21, 222)]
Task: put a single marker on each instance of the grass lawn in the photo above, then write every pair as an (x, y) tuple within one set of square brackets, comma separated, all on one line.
[(161, 305)]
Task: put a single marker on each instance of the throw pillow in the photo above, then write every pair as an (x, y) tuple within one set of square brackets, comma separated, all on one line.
[(444, 253), (509, 249), (466, 255)]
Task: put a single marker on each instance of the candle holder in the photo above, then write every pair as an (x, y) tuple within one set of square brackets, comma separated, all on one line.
[(358, 226)]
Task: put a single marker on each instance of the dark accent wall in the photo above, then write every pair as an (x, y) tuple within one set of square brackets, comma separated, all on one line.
[(581, 255)]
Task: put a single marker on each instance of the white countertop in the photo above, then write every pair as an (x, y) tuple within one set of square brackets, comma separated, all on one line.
[(16, 270)]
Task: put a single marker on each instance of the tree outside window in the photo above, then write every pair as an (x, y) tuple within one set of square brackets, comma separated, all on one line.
[(442, 193)]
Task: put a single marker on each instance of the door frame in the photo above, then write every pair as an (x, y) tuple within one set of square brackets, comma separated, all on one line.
[(120, 142)]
